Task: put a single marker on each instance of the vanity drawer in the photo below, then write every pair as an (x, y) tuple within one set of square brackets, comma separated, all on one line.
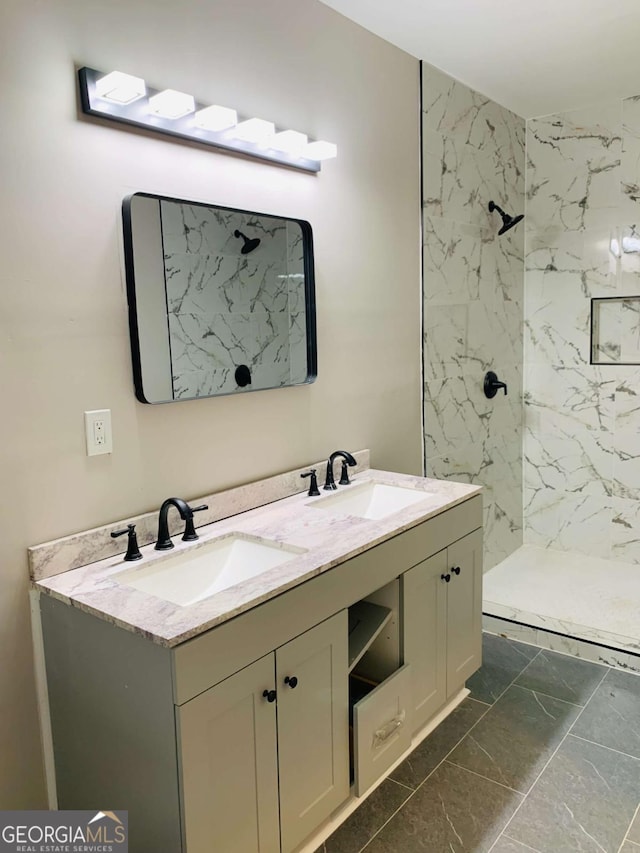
[(382, 728)]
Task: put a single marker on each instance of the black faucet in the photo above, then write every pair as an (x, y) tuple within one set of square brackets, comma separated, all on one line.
[(164, 542), (329, 482)]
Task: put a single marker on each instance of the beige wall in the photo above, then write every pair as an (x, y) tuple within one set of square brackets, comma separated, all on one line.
[(63, 333)]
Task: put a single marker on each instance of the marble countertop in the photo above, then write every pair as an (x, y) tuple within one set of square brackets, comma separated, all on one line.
[(326, 539)]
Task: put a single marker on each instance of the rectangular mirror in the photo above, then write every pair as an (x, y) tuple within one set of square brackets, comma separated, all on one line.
[(221, 301), (615, 330)]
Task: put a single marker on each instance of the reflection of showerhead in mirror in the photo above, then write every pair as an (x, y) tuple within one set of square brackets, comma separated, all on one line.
[(507, 221), (249, 244)]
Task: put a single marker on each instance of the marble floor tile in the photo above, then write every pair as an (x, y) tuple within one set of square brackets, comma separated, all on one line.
[(611, 717), (502, 662), (454, 811), (367, 819), (562, 677), (426, 757), (516, 737), (634, 831), (583, 801), (508, 845)]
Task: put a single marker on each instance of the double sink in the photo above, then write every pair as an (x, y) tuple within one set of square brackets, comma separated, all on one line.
[(235, 558)]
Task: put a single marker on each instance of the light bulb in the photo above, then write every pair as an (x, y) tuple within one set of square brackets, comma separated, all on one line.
[(171, 104), (320, 150), (215, 118), (290, 141), (255, 130), (120, 88)]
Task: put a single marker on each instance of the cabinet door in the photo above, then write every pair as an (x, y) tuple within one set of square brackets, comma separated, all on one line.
[(424, 597), (313, 728), (464, 610), (228, 752)]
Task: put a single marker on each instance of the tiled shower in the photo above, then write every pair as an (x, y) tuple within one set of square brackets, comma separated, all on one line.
[(582, 421), (559, 456), (473, 153)]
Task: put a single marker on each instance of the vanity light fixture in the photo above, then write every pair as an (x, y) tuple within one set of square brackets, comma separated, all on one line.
[(216, 118), (320, 150), (127, 99), (121, 88), (255, 130), (290, 141), (171, 104)]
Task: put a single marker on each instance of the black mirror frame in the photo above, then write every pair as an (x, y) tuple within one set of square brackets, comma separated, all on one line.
[(310, 297)]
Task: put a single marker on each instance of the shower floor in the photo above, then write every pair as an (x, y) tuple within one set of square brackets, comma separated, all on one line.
[(566, 593)]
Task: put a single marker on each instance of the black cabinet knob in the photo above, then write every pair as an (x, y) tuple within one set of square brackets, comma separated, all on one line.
[(269, 695), (445, 578), (292, 682), (456, 570)]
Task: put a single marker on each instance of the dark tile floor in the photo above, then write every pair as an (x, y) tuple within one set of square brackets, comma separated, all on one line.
[(543, 756)]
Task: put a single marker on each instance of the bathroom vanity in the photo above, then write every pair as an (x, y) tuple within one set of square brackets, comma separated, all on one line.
[(254, 718)]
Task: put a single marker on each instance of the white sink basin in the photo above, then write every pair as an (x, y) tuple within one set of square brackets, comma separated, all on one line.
[(192, 575), (370, 500)]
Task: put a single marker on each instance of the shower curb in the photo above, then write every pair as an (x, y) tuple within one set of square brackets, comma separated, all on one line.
[(566, 644)]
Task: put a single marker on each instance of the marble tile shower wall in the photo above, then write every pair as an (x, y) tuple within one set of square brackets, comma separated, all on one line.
[(227, 309), (582, 421), (473, 152)]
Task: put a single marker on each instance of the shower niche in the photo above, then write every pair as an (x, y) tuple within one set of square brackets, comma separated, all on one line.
[(615, 330), (221, 301)]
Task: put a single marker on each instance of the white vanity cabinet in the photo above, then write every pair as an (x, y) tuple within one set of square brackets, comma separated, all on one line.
[(248, 758), (184, 737), (228, 747), (442, 604)]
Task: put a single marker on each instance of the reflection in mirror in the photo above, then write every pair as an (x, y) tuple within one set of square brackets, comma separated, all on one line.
[(615, 330), (220, 300)]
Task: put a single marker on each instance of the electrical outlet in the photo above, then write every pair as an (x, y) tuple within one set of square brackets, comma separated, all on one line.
[(97, 428)]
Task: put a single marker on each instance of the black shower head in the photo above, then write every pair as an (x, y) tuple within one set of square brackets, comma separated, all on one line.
[(507, 221), (249, 244)]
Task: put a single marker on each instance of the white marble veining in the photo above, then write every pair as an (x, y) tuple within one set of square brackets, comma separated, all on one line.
[(473, 152), (568, 521), (89, 546), (558, 193), (582, 437), (575, 461), (325, 539), (584, 597), (226, 308)]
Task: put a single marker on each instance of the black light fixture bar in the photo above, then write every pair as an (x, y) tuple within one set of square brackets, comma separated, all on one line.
[(138, 114)]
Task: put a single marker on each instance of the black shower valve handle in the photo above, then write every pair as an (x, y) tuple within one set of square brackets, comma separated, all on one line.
[(492, 385)]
